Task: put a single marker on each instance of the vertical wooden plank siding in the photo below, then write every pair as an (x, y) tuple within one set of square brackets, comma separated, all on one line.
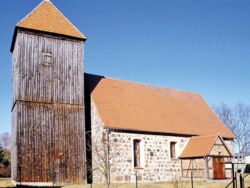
[(36, 79), (48, 109)]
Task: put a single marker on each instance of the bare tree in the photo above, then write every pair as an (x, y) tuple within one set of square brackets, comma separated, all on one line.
[(237, 119), (5, 140), (103, 153), (1, 154), (99, 147)]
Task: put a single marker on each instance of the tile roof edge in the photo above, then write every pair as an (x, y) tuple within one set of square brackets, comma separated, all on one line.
[(212, 145), (203, 136), (148, 131), (191, 157), (159, 132), (222, 140), (45, 32)]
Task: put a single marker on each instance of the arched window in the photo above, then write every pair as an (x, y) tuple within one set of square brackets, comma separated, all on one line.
[(173, 150)]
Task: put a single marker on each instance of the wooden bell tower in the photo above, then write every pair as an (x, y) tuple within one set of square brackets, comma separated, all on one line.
[(48, 99)]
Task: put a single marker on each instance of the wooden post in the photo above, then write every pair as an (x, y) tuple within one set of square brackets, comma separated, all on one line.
[(181, 168), (233, 175), (241, 181), (136, 179), (206, 173), (235, 179), (108, 151), (192, 182)]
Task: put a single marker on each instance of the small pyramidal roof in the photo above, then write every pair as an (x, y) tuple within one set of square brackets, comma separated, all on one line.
[(46, 17)]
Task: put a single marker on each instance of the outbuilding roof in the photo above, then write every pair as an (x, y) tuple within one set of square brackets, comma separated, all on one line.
[(202, 146), (136, 106), (46, 17)]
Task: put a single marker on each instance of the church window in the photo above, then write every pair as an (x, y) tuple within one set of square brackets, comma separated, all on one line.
[(137, 153), (173, 150)]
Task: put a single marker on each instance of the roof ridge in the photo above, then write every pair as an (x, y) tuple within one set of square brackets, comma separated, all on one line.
[(147, 84)]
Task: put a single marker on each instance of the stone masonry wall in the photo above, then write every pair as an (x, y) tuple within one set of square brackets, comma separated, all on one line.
[(156, 162)]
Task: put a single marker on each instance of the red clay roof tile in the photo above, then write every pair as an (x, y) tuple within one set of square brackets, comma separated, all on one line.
[(46, 17), (199, 146), (135, 106)]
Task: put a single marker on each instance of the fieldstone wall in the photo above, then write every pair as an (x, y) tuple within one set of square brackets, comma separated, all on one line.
[(157, 164)]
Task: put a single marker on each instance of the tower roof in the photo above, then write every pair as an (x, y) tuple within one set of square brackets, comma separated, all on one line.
[(46, 17)]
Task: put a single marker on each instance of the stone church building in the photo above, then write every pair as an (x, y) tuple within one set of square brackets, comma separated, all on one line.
[(73, 127)]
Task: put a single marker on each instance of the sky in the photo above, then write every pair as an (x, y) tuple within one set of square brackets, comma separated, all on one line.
[(194, 45)]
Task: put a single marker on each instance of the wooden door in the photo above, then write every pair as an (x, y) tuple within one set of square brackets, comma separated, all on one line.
[(218, 168)]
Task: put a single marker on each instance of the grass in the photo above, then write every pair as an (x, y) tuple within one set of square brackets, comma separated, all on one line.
[(5, 182)]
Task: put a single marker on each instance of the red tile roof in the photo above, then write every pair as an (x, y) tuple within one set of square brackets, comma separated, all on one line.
[(46, 17), (135, 106), (200, 146)]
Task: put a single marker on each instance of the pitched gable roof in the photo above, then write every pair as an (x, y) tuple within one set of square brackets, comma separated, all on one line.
[(201, 146), (46, 17), (135, 106)]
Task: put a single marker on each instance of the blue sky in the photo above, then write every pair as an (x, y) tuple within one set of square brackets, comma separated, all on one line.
[(194, 45)]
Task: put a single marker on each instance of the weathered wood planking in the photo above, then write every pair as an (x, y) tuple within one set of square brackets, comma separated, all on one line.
[(47, 69), (48, 109), (49, 137)]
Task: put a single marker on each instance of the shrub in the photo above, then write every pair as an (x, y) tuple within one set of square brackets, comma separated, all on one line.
[(247, 169), (1, 154), (5, 169)]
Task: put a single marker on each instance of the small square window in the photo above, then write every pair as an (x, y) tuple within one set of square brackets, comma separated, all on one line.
[(46, 59)]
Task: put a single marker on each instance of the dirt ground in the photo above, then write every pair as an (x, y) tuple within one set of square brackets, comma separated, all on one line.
[(5, 182)]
